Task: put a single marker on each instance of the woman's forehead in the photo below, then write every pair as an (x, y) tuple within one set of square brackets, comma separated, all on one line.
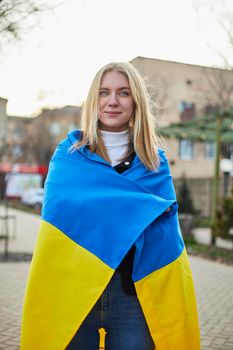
[(114, 78)]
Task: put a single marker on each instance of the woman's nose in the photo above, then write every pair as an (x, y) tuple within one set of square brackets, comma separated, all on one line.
[(113, 99)]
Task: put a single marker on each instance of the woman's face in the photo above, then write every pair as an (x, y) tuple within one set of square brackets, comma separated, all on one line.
[(116, 104)]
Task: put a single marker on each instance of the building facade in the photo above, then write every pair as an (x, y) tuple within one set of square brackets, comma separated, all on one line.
[(33, 140), (181, 92), (27, 145)]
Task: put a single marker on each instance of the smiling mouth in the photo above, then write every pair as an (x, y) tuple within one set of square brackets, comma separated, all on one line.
[(112, 113)]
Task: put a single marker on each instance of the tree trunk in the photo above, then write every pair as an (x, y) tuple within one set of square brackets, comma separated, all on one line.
[(215, 187)]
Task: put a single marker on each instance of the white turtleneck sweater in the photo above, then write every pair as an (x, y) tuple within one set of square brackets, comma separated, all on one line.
[(116, 143)]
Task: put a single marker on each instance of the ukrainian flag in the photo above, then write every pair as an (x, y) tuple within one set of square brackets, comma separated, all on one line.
[(80, 246)]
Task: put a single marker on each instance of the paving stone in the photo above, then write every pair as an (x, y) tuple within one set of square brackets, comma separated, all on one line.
[(206, 342), (214, 285), (219, 341)]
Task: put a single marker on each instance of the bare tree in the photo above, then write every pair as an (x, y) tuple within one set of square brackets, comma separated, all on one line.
[(216, 85), (217, 89), (219, 12), (19, 16)]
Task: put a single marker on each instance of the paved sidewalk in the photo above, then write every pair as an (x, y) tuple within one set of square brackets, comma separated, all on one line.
[(26, 231), (203, 236), (13, 277), (213, 282)]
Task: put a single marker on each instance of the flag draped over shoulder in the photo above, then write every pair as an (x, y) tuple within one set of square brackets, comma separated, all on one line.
[(91, 217)]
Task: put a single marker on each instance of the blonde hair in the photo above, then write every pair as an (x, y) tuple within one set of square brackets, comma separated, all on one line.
[(143, 131)]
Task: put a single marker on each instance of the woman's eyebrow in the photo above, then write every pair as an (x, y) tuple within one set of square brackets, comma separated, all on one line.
[(120, 88), (124, 88)]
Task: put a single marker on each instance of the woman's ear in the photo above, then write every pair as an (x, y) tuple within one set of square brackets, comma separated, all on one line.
[(131, 122)]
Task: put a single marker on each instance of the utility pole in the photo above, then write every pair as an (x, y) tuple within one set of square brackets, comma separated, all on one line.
[(215, 187), (3, 144)]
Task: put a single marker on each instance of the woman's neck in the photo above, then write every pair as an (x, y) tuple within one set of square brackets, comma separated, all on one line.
[(117, 138), (116, 144)]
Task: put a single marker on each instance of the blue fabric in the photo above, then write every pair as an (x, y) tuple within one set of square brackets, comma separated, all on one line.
[(106, 212)]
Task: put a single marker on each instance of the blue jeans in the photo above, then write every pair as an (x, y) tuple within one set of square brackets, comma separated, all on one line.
[(122, 318)]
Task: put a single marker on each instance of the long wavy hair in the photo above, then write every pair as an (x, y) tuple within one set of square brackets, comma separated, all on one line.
[(144, 137)]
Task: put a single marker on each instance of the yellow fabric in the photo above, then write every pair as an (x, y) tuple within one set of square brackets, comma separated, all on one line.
[(102, 334), (62, 288), (168, 301)]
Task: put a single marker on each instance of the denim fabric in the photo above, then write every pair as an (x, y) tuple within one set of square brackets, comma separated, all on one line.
[(122, 318)]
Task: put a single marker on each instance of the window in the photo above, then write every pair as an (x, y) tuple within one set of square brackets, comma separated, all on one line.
[(209, 149), (227, 151), (17, 151), (231, 152), (185, 149), (18, 133), (55, 129), (186, 110), (210, 108), (188, 81)]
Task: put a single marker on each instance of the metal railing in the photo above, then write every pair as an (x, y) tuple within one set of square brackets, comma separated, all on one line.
[(6, 229)]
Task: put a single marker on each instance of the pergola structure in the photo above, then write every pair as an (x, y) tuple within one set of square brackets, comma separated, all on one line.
[(202, 128), (217, 127)]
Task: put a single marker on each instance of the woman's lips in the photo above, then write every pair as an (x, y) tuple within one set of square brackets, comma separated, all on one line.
[(112, 114)]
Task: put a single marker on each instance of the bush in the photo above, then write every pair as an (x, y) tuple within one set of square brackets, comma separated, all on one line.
[(186, 209), (184, 198), (224, 226)]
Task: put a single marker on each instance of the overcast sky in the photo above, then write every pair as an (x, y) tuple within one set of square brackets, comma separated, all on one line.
[(53, 65)]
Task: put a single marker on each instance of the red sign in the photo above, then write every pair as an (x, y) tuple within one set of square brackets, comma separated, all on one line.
[(23, 168)]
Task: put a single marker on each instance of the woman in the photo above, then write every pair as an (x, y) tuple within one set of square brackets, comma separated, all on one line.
[(110, 253)]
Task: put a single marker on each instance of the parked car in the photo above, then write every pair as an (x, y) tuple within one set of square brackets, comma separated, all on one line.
[(33, 198)]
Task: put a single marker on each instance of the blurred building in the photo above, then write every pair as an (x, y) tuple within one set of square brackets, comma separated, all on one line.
[(3, 119), (33, 140), (27, 145), (178, 91), (50, 127), (181, 92)]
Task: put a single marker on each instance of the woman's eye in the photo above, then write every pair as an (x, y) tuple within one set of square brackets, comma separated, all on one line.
[(103, 93), (124, 93)]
